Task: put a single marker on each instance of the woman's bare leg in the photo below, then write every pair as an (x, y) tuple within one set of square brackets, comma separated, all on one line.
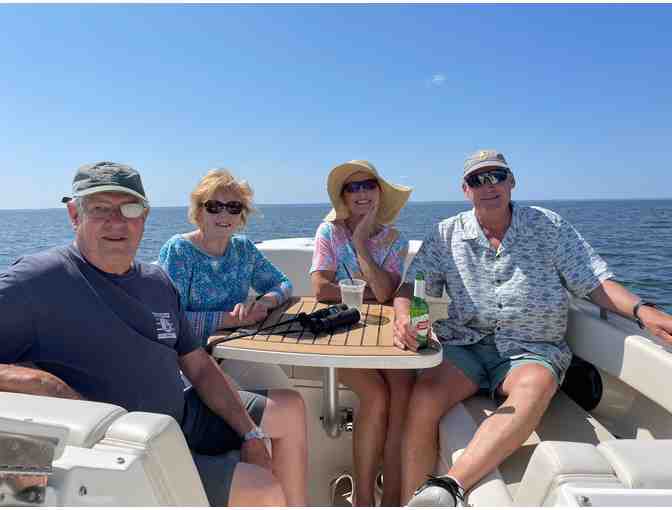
[(400, 384), (370, 429)]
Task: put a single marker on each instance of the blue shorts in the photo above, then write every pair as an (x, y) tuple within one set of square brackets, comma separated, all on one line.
[(486, 367), (214, 444)]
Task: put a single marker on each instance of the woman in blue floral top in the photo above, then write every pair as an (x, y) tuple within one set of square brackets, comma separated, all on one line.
[(213, 268)]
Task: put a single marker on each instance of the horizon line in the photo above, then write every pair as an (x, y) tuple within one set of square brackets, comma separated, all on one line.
[(328, 204)]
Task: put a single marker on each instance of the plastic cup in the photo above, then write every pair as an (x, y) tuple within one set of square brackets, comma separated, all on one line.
[(352, 292)]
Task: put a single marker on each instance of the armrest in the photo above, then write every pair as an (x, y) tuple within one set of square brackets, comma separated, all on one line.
[(640, 464), (165, 456), (554, 463), (86, 421)]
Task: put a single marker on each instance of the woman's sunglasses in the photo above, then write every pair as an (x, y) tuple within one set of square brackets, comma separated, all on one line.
[(216, 207), (491, 177), (355, 186)]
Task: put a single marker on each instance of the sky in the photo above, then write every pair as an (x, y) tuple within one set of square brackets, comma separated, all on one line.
[(577, 97)]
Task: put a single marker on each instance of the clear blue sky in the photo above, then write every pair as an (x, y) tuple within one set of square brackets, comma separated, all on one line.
[(578, 97)]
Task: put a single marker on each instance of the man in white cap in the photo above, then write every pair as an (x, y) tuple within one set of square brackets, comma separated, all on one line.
[(506, 268), (87, 321)]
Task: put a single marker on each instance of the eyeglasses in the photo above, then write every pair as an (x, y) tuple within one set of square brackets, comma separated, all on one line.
[(216, 207), (491, 177), (355, 186), (130, 211)]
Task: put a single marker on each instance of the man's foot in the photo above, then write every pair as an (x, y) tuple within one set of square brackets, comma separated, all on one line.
[(438, 491)]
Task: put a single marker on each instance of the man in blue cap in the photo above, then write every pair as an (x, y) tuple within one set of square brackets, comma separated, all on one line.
[(87, 321)]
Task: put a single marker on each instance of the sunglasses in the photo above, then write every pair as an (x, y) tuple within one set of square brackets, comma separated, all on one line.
[(130, 211), (355, 186), (216, 207), (491, 177)]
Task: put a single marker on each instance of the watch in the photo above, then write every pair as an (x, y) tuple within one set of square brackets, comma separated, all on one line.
[(255, 433), (635, 311)]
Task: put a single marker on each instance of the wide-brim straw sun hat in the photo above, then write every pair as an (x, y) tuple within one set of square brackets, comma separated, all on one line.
[(392, 196)]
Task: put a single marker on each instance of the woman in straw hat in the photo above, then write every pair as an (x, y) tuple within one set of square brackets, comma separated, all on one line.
[(356, 240)]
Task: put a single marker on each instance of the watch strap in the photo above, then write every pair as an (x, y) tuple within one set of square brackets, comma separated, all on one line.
[(635, 311), (255, 433)]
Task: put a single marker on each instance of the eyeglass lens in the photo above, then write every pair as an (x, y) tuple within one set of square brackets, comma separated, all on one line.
[(216, 207), (355, 186), (129, 211), (491, 177)]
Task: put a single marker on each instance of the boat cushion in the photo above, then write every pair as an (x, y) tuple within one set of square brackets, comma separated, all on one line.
[(166, 459), (86, 421), (456, 429), (556, 462), (640, 464)]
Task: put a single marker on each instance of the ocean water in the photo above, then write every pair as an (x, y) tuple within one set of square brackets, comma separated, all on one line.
[(634, 236)]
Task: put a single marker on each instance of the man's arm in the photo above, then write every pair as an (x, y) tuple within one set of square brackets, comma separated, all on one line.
[(218, 393), (26, 379), (617, 298)]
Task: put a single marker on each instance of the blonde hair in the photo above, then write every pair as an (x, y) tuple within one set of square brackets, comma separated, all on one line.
[(219, 179)]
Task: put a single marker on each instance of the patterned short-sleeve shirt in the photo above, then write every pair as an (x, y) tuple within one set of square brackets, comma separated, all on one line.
[(334, 250), (517, 293)]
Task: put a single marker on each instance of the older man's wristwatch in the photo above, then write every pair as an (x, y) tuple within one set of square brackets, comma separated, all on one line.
[(635, 311), (255, 433)]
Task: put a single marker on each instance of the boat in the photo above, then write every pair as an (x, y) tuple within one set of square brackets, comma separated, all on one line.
[(606, 439)]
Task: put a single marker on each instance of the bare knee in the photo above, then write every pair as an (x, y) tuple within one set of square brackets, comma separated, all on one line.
[(285, 409), (425, 400), (400, 386), (532, 381), (291, 401), (375, 398)]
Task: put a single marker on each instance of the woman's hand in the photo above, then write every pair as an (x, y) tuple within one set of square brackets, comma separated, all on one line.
[(250, 313), (366, 227)]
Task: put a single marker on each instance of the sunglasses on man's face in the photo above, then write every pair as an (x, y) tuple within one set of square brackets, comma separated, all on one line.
[(216, 207), (491, 177), (130, 211), (355, 186)]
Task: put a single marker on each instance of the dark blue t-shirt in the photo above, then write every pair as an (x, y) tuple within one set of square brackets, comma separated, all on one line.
[(112, 338)]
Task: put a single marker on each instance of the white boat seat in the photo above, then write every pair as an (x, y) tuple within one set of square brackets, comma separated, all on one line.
[(564, 420), (112, 457), (614, 464), (87, 423), (640, 464), (555, 463)]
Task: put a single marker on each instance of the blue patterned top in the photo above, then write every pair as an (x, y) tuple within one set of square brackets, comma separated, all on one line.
[(517, 293), (209, 286)]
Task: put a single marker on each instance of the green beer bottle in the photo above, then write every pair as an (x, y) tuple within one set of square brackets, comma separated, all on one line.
[(420, 311)]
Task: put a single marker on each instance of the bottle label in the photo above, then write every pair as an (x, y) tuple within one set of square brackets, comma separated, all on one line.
[(421, 325)]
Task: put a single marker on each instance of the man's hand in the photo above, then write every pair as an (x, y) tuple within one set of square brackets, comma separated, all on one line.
[(254, 451), (657, 321), (404, 333), (250, 313)]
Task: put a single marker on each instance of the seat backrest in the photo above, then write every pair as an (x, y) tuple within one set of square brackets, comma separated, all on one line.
[(131, 458), (87, 422), (165, 456)]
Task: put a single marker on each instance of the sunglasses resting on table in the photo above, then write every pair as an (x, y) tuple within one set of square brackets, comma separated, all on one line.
[(103, 212), (491, 177), (355, 186), (216, 207)]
